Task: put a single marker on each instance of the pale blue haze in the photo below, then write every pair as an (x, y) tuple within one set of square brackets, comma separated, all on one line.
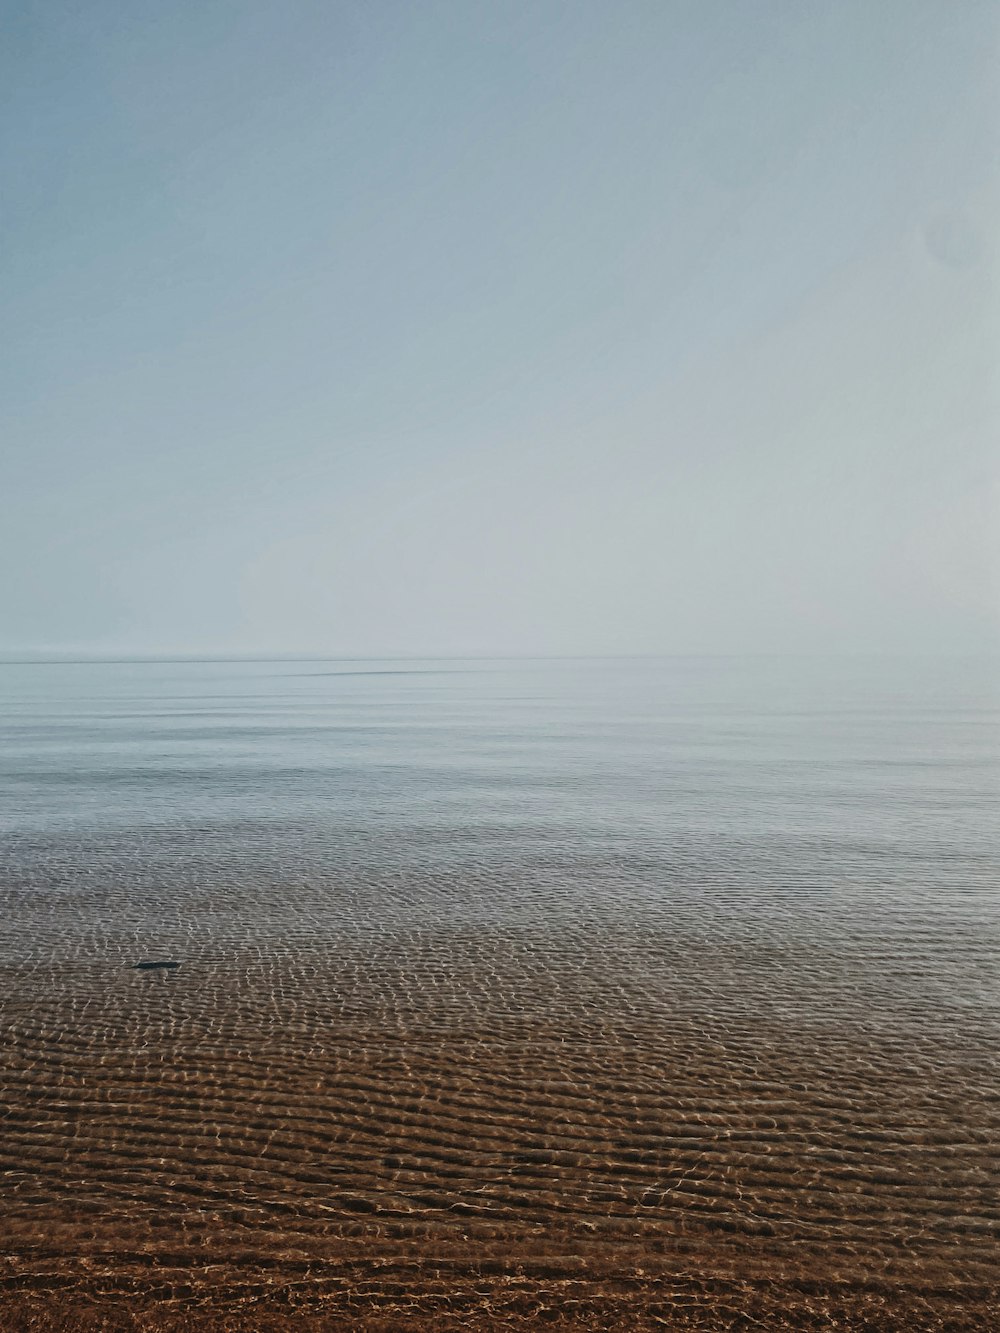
[(499, 327)]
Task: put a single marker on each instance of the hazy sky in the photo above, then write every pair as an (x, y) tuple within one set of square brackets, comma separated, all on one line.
[(496, 326)]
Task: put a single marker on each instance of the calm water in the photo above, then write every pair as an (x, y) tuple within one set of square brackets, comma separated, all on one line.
[(571, 953), (754, 786)]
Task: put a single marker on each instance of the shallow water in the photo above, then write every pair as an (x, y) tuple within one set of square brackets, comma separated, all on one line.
[(684, 967)]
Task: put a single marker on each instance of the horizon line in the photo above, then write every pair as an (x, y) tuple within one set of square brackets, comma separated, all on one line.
[(75, 657)]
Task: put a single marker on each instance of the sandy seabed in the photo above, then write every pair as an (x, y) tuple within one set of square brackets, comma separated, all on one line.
[(465, 1129)]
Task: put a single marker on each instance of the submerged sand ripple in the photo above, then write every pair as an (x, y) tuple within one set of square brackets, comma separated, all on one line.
[(415, 1098)]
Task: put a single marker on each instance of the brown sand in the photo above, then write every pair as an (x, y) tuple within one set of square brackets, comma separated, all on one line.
[(453, 1131)]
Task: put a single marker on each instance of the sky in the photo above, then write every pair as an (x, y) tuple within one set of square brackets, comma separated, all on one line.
[(500, 327)]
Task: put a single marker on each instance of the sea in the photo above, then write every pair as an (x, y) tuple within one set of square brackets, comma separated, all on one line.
[(608, 952)]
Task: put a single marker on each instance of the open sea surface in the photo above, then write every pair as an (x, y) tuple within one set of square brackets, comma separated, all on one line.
[(614, 989)]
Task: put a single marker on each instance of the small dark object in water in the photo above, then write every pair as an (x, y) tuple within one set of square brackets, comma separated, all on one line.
[(149, 967)]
